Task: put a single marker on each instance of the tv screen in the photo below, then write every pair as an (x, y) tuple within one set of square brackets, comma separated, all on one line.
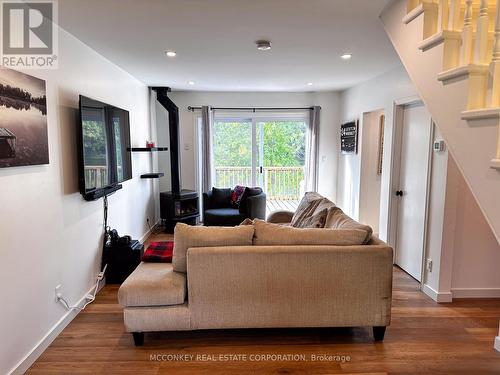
[(104, 142)]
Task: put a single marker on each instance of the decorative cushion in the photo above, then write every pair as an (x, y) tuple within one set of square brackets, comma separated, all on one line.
[(223, 217), (267, 234), (325, 203), (247, 221), (186, 237), (249, 192), (317, 220), (306, 208), (337, 219), (221, 198), (236, 196), (153, 284), (159, 252)]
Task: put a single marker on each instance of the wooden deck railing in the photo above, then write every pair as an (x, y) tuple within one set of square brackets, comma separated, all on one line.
[(278, 182), (96, 176)]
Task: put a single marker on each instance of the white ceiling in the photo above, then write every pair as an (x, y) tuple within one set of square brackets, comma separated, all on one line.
[(214, 41)]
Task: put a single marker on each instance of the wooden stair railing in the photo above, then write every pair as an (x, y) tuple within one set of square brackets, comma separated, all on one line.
[(472, 50)]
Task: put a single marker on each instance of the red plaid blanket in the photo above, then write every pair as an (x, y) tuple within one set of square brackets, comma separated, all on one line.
[(159, 252)]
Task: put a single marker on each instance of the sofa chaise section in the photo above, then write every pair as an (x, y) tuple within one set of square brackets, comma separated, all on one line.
[(154, 299)]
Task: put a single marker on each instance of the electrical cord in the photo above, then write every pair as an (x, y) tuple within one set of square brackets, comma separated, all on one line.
[(89, 297)]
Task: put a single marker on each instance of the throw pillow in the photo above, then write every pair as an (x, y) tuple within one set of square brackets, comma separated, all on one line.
[(221, 198), (247, 221), (159, 252), (249, 192), (306, 208), (337, 219), (236, 196), (186, 237), (317, 220), (267, 234), (324, 203)]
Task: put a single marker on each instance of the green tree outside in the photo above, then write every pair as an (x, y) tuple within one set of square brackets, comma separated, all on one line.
[(284, 143)]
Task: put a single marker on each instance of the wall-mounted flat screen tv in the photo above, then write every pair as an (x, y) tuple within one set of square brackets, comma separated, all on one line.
[(104, 148)]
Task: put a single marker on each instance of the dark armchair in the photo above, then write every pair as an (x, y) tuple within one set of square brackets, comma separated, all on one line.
[(217, 212)]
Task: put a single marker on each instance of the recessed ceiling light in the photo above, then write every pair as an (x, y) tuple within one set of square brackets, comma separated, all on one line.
[(309, 83), (346, 56), (263, 45), (171, 53), (191, 83)]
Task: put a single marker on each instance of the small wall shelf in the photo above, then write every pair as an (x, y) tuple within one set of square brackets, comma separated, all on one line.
[(147, 149), (152, 175)]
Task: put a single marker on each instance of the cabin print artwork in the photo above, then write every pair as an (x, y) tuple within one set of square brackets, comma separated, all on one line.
[(23, 120)]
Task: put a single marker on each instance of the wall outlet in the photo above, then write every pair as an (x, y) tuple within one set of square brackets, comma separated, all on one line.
[(428, 265), (58, 292)]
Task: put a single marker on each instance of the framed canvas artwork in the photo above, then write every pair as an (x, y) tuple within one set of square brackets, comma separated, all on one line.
[(23, 120)]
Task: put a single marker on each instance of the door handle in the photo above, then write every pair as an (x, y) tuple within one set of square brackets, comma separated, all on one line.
[(399, 193), (261, 170)]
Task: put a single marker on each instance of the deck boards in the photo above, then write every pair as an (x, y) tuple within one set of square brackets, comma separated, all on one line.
[(279, 205), (424, 338)]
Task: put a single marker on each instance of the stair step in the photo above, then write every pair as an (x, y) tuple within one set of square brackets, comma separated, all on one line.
[(495, 164), (438, 39), (481, 114), (463, 72), (418, 11)]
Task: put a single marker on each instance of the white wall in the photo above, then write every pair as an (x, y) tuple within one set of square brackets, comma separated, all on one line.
[(49, 234), (329, 130), (376, 94), (459, 240), (370, 180), (476, 252), (437, 238)]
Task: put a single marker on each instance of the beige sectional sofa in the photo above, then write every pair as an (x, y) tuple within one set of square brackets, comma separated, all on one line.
[(265, 275)]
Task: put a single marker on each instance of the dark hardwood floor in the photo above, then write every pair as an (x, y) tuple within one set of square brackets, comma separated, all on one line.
[(424, 338)]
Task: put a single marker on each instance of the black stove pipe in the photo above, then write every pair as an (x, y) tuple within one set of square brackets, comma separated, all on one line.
[(173, 122)]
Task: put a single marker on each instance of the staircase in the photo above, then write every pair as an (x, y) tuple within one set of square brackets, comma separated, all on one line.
[(451, 50)]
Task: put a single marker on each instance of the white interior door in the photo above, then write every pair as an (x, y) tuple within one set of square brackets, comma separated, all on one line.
[(412, 192)]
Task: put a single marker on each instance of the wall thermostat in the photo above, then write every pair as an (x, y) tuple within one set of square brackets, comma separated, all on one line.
[(439, 146)]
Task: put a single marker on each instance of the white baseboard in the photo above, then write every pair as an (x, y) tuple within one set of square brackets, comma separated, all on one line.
[(436, 296), (149, 232), (30, 358), (476, 292), (497, 344)]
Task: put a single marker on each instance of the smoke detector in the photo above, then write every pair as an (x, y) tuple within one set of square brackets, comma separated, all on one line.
[(263, 45)]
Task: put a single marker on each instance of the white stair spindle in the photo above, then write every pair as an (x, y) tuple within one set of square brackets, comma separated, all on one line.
[(495, 67), (467, 34), (454, 15), (443, 15), (481, 46)]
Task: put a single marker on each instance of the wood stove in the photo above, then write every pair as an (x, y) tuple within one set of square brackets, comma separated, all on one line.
[(176, 205)]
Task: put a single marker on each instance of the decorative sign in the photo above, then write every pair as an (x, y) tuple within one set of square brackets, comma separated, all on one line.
[(349, 138)]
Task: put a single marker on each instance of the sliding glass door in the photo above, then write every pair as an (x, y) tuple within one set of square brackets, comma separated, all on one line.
[(266, 152), (233, 152), (281, 159)]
